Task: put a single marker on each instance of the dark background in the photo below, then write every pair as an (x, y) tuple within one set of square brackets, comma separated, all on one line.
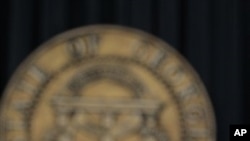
[(212, 34)]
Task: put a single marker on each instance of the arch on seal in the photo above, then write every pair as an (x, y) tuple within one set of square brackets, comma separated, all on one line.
[(115, 73)]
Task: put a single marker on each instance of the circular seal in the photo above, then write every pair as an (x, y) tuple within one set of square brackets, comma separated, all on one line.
[(106, 83)]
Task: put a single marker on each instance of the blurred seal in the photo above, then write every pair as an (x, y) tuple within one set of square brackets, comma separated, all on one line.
[(106, 83)]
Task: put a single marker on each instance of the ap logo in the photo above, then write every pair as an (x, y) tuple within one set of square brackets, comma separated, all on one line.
[(239, 132)]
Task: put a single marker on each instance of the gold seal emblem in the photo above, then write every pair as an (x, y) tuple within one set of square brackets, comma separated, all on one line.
[(106, 83)]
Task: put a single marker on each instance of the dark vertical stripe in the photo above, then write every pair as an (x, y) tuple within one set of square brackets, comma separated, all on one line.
[(53, 15), (155, 12), (20, 33), (4, 26), (92, 13), (123, 12), (142, 15), (108, 11), (245, 36), (183, 20), (198, 37), (169, 22), (227, 79)]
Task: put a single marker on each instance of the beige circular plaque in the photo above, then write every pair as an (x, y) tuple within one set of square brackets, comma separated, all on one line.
[(106, 83)]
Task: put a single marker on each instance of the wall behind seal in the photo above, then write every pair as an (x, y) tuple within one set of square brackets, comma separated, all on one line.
[(212, 34)]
